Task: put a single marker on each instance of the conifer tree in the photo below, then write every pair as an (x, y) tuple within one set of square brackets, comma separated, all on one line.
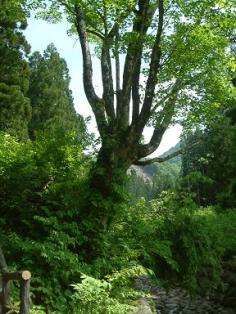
[(15, 109), (51, 98)]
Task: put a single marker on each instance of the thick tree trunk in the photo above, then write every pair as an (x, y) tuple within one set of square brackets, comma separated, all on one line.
[(106, 194), (107, 183), (109, 169)]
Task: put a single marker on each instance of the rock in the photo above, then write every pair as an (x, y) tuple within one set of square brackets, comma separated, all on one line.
[(144, 283), (144, 307)]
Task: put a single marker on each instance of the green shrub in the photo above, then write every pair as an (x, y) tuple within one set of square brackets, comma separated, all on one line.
[(114, 295), (226, 226), (40, 187), (181, 242)]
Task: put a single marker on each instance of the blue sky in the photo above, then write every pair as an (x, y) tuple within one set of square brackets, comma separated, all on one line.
[(39, 34)]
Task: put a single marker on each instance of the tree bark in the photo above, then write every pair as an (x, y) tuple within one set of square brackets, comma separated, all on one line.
[(5, 297), (109, 172), (3, 264)]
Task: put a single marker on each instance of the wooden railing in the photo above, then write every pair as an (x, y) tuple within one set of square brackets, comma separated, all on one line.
[(24, 278)]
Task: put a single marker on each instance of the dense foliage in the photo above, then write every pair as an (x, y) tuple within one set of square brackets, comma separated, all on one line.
[(39, 208), (50, 96), (15, 109), (34, 93), (42, 187), (209, 166)]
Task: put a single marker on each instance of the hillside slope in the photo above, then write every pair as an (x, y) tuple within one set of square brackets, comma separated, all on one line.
[(149, 181)]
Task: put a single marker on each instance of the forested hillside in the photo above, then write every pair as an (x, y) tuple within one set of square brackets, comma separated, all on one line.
[(103, 227), (151, 180)]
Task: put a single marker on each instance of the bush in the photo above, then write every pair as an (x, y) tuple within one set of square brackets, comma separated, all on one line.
[(181, 242), (114, 295), (40, 187)]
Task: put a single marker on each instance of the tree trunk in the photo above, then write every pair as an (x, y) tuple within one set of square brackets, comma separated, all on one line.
[(106, 194), (3, 264)]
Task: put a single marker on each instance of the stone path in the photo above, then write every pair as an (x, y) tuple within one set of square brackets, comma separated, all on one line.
[(178, 301)]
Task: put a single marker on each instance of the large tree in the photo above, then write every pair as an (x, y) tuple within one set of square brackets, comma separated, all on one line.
[(160, 60), (50, 95), (15, 107)]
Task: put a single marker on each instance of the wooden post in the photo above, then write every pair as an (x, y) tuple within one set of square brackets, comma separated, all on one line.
[(18, 275), (24, 295), (24, 278)]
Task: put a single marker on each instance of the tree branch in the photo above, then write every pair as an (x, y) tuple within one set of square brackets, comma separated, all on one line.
[(158, 159), (164, 121), (96, 33), (111, 37), (180, 151), (117, 60), (135, 89), (96, 103), (147, 149), (87, 61), (152, 77), (107, 79)]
